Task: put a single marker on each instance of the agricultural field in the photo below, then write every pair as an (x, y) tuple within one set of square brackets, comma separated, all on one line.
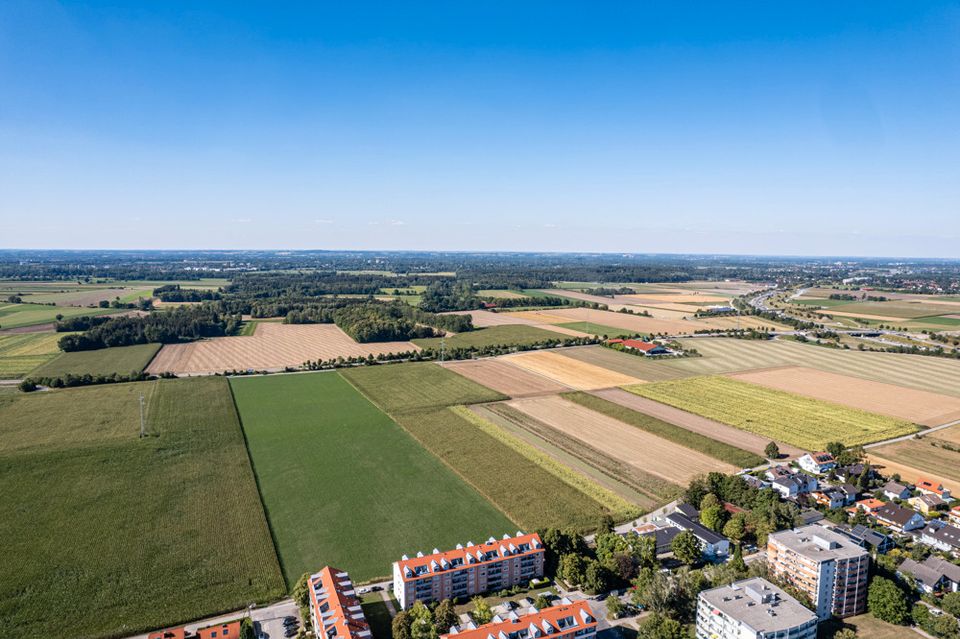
[(110, 547), (343, 484), (597, 329), (647, 369), (105, 361), (501, 293), (272, 347), (648, 452), (20, 315), (423, 399), (569, 372), (483, 319), (505, 378), (492, 336), (794, 419), (676, 434), (921, 457), (695, 423), (20, 353), (920, 407)]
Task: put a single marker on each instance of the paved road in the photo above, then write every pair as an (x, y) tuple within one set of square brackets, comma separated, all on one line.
[(912, 435)]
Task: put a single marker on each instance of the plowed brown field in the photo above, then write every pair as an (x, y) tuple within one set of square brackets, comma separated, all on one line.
[(621, 441), (506, 378), (920, 407), (568, 371), (273, 346)]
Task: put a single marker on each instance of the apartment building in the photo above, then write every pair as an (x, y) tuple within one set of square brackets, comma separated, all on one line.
[(752, 609), (468, 570), (335, 611), (830, 568), (566, 620)]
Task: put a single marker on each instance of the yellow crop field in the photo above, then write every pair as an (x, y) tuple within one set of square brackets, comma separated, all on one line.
[(787, 417)]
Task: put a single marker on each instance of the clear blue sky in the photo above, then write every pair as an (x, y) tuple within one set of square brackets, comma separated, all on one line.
[(768, 127)]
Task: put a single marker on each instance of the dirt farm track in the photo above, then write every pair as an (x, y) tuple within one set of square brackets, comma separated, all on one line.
[(272, 347)]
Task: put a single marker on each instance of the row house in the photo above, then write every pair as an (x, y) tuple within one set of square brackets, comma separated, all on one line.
[(335, 611), (942, 536), (932, 575), (565, 620)]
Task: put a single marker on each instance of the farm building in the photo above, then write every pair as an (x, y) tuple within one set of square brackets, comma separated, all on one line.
[(502, 564), (334, 607), (647, 348)]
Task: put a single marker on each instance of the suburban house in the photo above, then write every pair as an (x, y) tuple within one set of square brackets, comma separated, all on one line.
[(810, 516), (817, 463), (870, 505), (942, 537), (755, 482), (752, 608), (954, 515), (852, 473), (663, 536), (714, 546), (828, 567), (898, 518), (828, 498), (335, 611), (926, 503), (468, 570), (794, 485), (647, 348), (893, 490), (565, 620), (776, 472), (866, 537), (930, 487), (932, 574), (849, 492)]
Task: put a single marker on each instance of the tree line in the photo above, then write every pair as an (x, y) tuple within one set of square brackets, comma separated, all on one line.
[(181, 324)]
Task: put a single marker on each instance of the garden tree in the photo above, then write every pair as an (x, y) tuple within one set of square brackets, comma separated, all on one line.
[(951, 603), (573, 568), (301, 590), (605, 524), (772, 451), (863, 481), (653, 590), (421, 622), (616, 554), (596, 578), (887, 602), (850, 456), (835, 448), (657, 626), (712, 514), (247, 630), (481, 611), (845, 633), (615, 607), (736, 527), (401, 625), (541, 602), (644, 550), (559, 542), (686, 548), (444, 617), (737, 561)]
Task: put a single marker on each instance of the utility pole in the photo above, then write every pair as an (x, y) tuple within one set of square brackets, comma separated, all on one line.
[(143, 432)]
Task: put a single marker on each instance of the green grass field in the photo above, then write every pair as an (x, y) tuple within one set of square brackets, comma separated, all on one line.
[(20, 353), (397, 388), (515, 334), (343, 485), (105, 534), (800, 421), (598, 329), (104, 361), (696, 441), (18, 315), (818, 301)]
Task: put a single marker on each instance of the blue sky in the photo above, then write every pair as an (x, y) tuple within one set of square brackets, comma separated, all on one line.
[(769, 127)]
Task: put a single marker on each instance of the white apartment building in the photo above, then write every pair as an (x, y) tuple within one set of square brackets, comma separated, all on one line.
[(753, 609)]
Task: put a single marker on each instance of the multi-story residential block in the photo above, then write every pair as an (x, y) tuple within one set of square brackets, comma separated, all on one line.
[(335, 611), (468, 570), (752, 609), (566, 620), (830, 568)]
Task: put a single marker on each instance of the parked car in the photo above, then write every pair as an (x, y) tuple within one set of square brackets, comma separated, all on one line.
[(376, 588), (290, 621)]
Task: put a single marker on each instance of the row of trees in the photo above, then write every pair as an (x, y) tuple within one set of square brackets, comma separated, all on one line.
[(173, 293), (177, 325)]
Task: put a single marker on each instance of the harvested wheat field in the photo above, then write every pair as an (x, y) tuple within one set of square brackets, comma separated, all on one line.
[(637, 323), (483, 319), (620, 441), (667, 298), (568, 371), (914, 459), (563, 330), (273, 346), (707, 427), (951, 435), (506, 378), (920, 407)]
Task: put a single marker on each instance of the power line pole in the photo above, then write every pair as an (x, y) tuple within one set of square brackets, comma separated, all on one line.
[(143, 432)]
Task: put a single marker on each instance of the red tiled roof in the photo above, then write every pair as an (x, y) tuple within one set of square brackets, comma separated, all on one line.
[(468, 555), (334, 588), (930, 486), (563, 619), (640, 346), (229, 630), (171, 633)]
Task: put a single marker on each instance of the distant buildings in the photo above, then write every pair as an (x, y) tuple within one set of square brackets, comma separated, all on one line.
[(335, 611), (566, 620), (468, 570), (752, 609), (827, 566)]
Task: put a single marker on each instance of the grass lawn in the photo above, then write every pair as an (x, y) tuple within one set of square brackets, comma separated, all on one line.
[(598, 329), (718, 450), (17, 315), (118, 534), (103, 361), (378, 615), (800, 421), (343, 485), (20, 353), (492, 336), (867, 627), (396, 388)]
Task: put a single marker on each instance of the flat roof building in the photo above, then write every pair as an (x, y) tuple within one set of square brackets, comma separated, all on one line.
[(468, 570), (752, 609), (335, 611), (829, 567), (566, 620)]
